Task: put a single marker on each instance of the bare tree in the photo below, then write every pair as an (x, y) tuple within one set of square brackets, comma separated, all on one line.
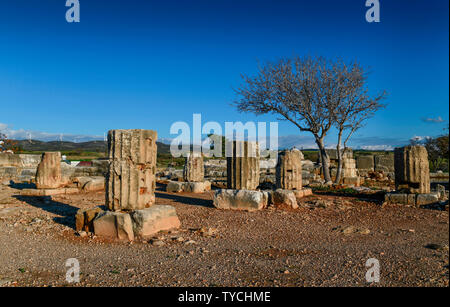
[(303, 90), (354, 108)]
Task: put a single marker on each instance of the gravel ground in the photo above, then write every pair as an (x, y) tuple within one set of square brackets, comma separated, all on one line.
[(324, 243)]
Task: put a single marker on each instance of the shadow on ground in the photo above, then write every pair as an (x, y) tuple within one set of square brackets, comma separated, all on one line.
[(186, 200), (66, 212)]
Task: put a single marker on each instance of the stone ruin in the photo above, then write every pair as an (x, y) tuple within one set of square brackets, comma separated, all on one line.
[(193, 176), (289, 178), (48, 175), (130, 182), (130, 191), (412, 177), (412, 172), (243, 180), (349, 171), (243, 166)]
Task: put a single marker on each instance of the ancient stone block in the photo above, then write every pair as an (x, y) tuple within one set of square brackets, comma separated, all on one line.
[(149, 221), (84, 218), (356, 181), (289, 170), (426, 199), (193, 170), (240, 200), (174, 186), (48, 175), (412, 169), (365, 163), (384, 163), (349, 168), (130, 181), (284, 198), (114, 225), (243, 166)]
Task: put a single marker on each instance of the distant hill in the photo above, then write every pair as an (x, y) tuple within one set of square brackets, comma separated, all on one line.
[(92, 146)]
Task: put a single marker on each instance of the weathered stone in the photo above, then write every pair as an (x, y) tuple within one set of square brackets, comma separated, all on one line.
[(105, 225), (240, 199), (384, 163), (193, 170), (194, 187), (412, 169), (84, 218), (174, 186), (10, 160), (303, 192), (284, 198), (96, 184), (356, 181), (114, 225), (426, 199), (349, 168), (365, 163), (48, 192), (289, 170), (131, 176), (48, 175), (243, 165), (190, 187), (147, 222)]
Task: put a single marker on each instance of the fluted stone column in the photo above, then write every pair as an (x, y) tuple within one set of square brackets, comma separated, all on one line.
[(412, 169), (48, 175), (130, 182), (193, 168), (243, 166), (289, 170)]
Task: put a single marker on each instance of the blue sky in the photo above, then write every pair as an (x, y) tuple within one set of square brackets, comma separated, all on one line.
[(146, 64)]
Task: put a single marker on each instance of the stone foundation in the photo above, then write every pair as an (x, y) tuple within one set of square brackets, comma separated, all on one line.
[(412, 199)]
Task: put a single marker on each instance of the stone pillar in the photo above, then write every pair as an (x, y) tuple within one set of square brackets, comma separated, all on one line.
[(130, 181), (289, 170), (193, 168), (243, 165), (48, 175), (349, 168), (412, 169)]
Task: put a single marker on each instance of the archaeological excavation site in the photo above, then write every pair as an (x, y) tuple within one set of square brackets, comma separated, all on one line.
[(224, 152)]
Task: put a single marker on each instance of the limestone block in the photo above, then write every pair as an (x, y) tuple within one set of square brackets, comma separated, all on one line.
[(412, 169), (243, 166), (193, 170), (365, 163), (284, 198), (147, 222), (114, 225), (131, 175), (289, 170), (48, 175), (240, 199)]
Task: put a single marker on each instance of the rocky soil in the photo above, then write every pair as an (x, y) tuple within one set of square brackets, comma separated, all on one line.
[(326, 242)]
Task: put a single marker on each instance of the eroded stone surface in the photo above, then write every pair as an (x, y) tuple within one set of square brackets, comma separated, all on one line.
[(289, 170), (243, 166), (131, 176), (48, 175), (412, 169), (240, 199), (149, 221), (284, 198), (193, 170)]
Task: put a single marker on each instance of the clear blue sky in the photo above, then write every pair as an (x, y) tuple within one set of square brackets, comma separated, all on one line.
[(146, 64)]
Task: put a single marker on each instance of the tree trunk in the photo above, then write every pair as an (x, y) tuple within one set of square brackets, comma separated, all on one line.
[(339, 157), (325, 160)]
